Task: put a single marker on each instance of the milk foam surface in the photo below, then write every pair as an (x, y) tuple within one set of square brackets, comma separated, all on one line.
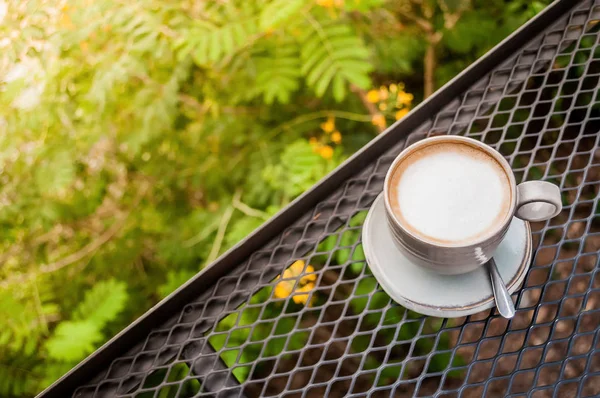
[(452, 194)]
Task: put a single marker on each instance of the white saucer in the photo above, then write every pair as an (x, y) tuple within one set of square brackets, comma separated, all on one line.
[(427, 292)]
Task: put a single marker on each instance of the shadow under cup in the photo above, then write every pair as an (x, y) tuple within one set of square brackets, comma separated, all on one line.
[(448, 256)]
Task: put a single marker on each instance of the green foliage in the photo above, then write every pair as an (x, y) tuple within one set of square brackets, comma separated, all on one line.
[(55, 173), (275, 13), (210, 42), (72, 340), (16, 378), (174, 280), (241, 229), (362, 5), (466, 35), (48, 373), (299, 167), (278, 72), (102, 303), (139, 140), (69, 342), (333, 55), (25, 314), (399, 53)]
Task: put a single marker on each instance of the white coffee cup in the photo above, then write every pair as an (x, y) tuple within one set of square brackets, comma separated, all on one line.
[(450, 200)]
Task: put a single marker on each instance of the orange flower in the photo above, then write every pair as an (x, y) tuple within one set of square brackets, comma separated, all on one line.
[(401, 113), (326, 152), (383, 93), (329, 125), (312, 141), (326, 3), (336, 137), (291, 278), (373, 96), (379, 121), (331, 3), (403, 99)]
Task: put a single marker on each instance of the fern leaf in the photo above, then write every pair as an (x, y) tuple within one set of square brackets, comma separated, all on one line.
[(277, 12), (339, 88), (73, 340), (298, 169), (333, 55), (278, 73), (16, 377), (102, 303), (212, 43), (22, 325)]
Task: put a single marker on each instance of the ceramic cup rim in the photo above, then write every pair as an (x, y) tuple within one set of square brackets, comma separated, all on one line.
[(452, 139)]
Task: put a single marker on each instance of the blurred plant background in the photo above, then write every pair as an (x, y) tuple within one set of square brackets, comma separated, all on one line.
[(141, 139)]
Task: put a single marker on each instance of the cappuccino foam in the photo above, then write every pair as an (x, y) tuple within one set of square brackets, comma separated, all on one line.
[(450, 192)]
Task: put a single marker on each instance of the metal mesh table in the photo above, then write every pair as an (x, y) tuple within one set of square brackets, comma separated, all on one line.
[(230, 332)]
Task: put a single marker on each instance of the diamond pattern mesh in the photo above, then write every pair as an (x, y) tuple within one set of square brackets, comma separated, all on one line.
[(304, 317)]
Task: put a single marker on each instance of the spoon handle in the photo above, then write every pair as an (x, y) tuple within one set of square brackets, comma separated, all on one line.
[(504, 303)]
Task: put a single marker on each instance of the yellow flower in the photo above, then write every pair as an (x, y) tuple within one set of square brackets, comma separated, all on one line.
[(329, 125), (382, 106), (336, 137), (373, 96), (326, 152), (330, 3), (291, 278), (383, 93), (403, 98), (378, 120), (65, 22), (401, 113), (393, 88), (312, 141), (326, 3)]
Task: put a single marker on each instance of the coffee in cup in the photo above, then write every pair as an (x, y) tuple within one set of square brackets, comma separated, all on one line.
[(466, 193)]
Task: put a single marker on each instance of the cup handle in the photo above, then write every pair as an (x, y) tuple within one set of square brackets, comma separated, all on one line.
[(538, 201)]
